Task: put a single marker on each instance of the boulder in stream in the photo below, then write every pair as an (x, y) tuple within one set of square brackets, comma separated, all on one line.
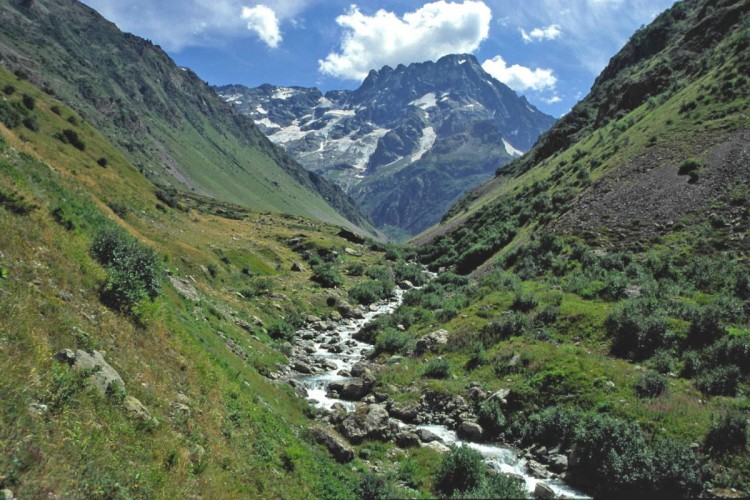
[(470, 431), (369, 421)]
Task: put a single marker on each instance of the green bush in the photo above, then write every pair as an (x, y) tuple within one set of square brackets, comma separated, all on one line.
[(392, 341), (280, 329), (134, 273), (497, 486), (478, 357), (355, 269), (369, 292), (706, 327), (504, 327), (728, 433), (675, 470), (459, 470), (15, 203), (381, 273), (9, 89), (437, 368), (69, 136), (29, 102), (491, 417), (374, 487), (524, 302), (611, 457), (651, 384), (551, 427), (637, 330), (327, 276), (257, 286), (722, 381)]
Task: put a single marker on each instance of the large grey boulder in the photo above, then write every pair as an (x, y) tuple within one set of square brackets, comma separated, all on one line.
[(356, 389), (405, 412), (336, 446), (135, 409), (428, 436), (431, 341), (370, 421), (544, 491), (104, 378), (470, 431)]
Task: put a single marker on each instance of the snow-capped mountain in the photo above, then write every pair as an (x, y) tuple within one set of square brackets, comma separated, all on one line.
[(440, 127)]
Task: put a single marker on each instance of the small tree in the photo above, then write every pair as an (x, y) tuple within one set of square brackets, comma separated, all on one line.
[(459, 470)]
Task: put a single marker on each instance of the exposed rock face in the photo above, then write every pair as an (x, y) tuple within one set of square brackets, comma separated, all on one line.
[(185, 288), (408, 142), (404, 412), (370, 422), (338, 448), (470, 431), (103, 378), (430, 341)]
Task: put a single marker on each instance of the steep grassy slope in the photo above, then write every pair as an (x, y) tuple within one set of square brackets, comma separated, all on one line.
[(221, 429), (165, 120), (605, 285)]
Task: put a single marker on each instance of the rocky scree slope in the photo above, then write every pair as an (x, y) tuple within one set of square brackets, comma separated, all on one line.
[(167, 121), (408, 142), (660, 140)]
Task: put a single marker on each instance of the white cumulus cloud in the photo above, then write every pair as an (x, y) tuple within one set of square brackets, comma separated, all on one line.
[(538, 34), (430, 32), (263, 21), (520, 78)]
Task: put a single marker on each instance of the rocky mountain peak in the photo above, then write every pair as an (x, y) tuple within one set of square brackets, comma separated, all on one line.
[(401, 122)]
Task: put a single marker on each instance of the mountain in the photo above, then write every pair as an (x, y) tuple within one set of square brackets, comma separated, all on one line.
[(167, 121), (408, 142)]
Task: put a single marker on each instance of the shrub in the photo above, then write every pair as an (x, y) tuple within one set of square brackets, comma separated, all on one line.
[(410, 272), (728, 433), (280, 329), (504, 327), (257, 286), (675, 470), (355, 269), (374, 487), (437, 368), (327, 276), (478, 357), (524, 302), (637, 330), (212, 270), (31, 123), (720, 381), (663, 362), (550, 427), (393, 342), (29, 102), (102, 162), (133, 270), (15, 203), (380, 273), (706, 327), (688, 166), (459, 470), (651, 384), (9, 89), (611, 456), (498, 486), (369, 292), (69, 136), (491, 417)]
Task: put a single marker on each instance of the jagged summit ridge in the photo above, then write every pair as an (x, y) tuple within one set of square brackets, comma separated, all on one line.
[(400, 122)]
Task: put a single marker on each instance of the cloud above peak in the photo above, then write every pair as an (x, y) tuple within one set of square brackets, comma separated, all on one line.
[(263, 21), (428, 33), (520, 78)]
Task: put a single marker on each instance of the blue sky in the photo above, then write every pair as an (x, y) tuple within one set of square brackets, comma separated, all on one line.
[(548, 50)]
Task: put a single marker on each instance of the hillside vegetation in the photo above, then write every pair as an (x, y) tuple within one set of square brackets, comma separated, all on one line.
[(607, 288), (184, 296), (164, 119)]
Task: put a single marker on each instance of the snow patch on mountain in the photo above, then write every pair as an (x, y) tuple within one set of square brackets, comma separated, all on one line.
[(512, 150), (425, 143), (427, 101), (283, 93)]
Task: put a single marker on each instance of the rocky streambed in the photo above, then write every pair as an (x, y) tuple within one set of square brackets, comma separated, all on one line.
[(328, 367)]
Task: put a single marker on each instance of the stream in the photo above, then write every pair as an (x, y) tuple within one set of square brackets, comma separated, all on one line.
[(504, 459)]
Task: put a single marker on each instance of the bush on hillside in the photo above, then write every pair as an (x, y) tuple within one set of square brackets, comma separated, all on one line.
[(637, 330), (134, 273), (728, 433), (437, 368), (459, 470), (327, 276)]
